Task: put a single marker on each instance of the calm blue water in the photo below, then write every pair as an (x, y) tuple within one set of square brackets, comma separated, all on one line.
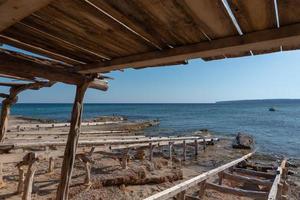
[(275, 132)]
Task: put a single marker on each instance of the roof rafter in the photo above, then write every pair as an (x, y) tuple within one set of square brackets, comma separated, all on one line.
[(16, 64), (285, 35)]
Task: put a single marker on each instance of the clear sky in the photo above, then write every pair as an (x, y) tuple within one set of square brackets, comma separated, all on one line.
[(268, 76)]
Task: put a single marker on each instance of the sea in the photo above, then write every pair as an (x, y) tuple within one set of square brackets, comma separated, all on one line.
[(276, 133)]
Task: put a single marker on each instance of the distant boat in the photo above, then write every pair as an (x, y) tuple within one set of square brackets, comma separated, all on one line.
[(272, 109)]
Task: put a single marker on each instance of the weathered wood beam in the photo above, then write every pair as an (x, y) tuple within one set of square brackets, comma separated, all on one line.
[(16, 64), (22, 45), (253, 173), (246, 179), (71, 146), (12, 11), (2, 95), (260, 40), (274, 194), (237, 191)]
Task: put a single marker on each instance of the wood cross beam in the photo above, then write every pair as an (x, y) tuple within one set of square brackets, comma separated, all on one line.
[(284, 36), (24, 66)]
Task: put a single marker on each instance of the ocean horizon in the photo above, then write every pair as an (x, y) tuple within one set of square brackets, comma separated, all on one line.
[(275, 132)]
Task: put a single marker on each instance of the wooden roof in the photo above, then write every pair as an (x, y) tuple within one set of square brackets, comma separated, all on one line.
[(84, 37)]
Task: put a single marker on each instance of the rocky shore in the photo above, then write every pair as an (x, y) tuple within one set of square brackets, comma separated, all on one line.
[(141, 178)]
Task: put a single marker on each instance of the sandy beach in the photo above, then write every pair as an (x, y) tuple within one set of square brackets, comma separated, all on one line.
[(140, 179)]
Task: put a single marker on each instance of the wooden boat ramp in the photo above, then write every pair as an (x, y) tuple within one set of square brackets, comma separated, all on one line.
[(265, 182)]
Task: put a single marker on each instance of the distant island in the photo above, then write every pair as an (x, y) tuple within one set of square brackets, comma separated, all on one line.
[(261, 101)]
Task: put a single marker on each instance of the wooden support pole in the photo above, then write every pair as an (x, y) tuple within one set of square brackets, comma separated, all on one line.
[(170, 150), (196, 147), (202, 186), (2, 183), (184, 150), (124, 162), (221, 175), (180, 196), (150, 151), (71, 146), (204, 144), (51, 165), (29, 180), (87, 180), (21, 179), (5, 110)]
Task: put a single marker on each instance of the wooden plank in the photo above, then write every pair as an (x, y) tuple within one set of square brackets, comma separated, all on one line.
[(246, 179), (237, 191), (30, 35), (76, 21), (254, 15), (22, 45), (259, 40), (171, 192), (273, 194), (12, 11), (254, 173), (18, 64), (212, 18), (103, 142), (57, 125), (288, 11), (17, 157)]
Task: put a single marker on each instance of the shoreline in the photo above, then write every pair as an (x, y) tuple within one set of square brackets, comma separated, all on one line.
[(214, 156)]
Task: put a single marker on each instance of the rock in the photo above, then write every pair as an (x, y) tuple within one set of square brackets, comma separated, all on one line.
[(243, 141)]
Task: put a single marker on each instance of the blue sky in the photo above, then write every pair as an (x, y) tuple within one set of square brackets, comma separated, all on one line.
[(268, 76)]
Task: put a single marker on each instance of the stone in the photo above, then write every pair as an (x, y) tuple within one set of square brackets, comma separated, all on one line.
[(243, 141)]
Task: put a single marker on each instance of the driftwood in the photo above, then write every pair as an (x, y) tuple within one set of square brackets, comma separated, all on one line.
[(139, 178)]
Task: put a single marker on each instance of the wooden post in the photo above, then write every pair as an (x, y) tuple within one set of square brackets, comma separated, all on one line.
[(150, 151), (21, 179), (202, 186), (220, 174), (170, 150), (71, 146), (180, 196), (5, 110), (184, 150), (29, 180), (196, 147), (2, 183), (51, 165), (87, 180), (204, 144), (12, 99)]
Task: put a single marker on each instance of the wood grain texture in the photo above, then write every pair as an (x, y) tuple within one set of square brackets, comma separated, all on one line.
[(12, 11)]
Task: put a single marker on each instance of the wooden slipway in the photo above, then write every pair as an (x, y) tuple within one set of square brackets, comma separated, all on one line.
[(272, 185)]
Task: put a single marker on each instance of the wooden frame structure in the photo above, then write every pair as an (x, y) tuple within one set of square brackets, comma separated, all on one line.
[(272, 182), (12, 98), (74, 41)]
